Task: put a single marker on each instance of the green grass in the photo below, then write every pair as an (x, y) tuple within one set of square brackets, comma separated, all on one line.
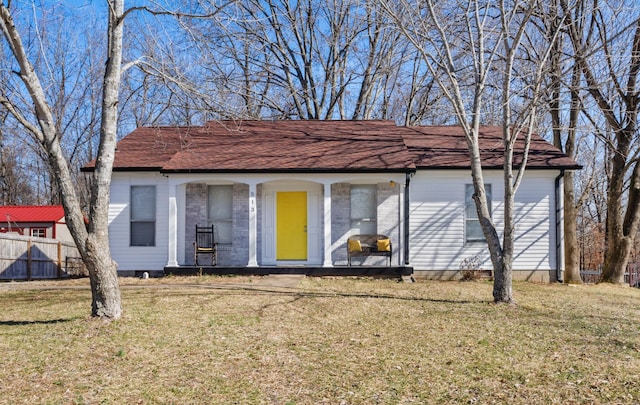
[(329, 341)]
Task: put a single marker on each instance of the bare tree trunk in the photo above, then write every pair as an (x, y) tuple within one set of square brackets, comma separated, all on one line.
[(621, 232), (568, 146), (615, 264), (614, 88), (465, 56), (571, 250), (92, 240), (102, 269), (105, 291)]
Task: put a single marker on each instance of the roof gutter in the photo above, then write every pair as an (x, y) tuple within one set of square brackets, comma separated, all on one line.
[(253, 171), (280, 171), (529, 167)]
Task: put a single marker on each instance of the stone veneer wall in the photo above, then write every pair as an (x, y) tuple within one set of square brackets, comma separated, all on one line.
[(388, 216), (240, 245), (340, 221), (233, 254), (195, 214), (237, 254)]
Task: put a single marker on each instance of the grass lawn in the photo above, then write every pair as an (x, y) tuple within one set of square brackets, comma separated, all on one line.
[(329, 341)]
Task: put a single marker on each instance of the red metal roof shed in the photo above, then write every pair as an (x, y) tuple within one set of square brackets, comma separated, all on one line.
[(31, 213)]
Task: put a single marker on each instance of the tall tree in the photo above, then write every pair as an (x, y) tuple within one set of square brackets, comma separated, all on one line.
[(14, 190), (606, 45), (91, 238), (312, 59), (68, 58), (36, 98), (565, 131), (476, 51)]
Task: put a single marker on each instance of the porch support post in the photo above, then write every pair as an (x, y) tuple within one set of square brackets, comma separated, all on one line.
[(253, 227), (327, 226), (173, 228)]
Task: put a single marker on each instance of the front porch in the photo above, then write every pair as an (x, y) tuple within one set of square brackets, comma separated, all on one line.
[(259, 223), (312, 271)]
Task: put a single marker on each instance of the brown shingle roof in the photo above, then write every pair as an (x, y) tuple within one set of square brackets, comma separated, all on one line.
[(242, 146), (445, 147), (316, 146)]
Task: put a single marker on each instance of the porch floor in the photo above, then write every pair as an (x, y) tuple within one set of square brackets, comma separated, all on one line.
[(370, 271)]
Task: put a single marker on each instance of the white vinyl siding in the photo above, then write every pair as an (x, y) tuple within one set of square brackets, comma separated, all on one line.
[(535, 219), (437, 224), (174, 188), (130, 258)]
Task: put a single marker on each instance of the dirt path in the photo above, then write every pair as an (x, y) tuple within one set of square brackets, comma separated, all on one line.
[(281, 280)]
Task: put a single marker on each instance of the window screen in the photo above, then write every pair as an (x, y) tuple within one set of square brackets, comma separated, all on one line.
[(473, 230), (143, 215), (363, 209), (220, 212)]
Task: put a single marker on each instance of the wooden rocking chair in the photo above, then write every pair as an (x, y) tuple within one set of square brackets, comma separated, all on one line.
[(205, 244)]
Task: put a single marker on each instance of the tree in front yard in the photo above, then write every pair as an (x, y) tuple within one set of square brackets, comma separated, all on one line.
[(606, 47), (31, 107), (479, 52)]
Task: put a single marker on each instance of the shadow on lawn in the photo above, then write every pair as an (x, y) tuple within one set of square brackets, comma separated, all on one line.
[(47, 322), (297, 293)]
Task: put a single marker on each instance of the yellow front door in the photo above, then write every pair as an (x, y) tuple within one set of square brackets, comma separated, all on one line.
[(291, 223)]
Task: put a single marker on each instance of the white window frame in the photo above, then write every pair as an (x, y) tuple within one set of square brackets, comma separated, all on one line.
[(360, 223), (471, 220), (41, 231), (222, 224), (145, 217)]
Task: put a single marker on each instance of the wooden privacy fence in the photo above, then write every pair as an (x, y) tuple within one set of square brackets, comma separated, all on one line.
[(28, 258)]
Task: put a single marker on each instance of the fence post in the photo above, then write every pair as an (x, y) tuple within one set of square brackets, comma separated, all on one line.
[(29, 259), (59, 259)]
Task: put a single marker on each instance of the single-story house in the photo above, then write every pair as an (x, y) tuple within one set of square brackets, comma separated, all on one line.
[(43, 221), (290, 193)]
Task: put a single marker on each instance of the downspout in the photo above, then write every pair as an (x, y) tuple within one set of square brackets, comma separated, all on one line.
[(406, 218), (559, 207)]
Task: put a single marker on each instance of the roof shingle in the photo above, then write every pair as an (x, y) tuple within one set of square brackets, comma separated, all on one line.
[(267, 146), (445, 147), (317, 146)]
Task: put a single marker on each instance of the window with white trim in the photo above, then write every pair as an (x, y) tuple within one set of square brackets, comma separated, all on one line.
[(39, 232), (143, 216), (364, 209), (220, 211), (473, 229)]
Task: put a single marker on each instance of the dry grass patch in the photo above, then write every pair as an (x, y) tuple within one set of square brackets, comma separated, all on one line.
[(352, 341)]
